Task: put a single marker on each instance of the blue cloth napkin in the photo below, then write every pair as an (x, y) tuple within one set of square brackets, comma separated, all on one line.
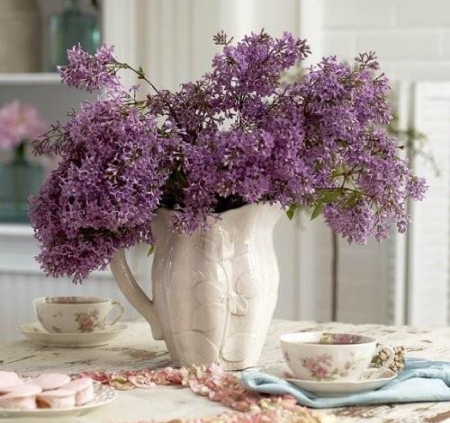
[(420, 381)]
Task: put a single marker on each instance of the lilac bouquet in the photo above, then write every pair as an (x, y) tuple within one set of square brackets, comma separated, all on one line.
[(241, 134)]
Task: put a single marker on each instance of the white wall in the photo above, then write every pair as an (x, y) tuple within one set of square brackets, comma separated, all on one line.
[(411, 37)]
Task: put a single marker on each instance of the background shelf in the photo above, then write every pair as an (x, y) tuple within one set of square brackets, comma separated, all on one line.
[(37, 78), (16, 230)]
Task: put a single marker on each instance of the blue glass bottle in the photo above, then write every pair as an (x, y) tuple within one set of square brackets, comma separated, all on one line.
[(19, 178), (69, 28)]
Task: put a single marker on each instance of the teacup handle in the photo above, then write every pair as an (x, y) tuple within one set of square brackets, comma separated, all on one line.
[(385, 363), (116, 304)]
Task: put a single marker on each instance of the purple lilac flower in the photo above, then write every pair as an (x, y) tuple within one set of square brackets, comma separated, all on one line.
[(90, 72), (104, 193), (239, 135)]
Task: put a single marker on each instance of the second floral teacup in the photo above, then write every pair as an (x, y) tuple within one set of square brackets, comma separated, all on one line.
[(75, 314), (322, 356)]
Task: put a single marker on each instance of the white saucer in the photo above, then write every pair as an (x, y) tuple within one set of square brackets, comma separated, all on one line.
[(36, 333), (103, 395), (370, 380)]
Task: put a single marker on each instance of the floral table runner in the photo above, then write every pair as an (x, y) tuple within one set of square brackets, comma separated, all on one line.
[(215, 384)]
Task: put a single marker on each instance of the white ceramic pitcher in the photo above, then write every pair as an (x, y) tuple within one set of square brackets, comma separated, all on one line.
[(214, 292)]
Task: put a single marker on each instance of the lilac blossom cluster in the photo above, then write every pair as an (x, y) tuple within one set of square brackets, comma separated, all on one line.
[(87, 71), (241, 134)]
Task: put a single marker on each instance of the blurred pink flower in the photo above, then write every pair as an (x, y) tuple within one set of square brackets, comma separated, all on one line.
[(19, 122)]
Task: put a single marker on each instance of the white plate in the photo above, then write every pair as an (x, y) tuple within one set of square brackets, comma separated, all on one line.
[(36, 333), (103, 395), (370, 380)]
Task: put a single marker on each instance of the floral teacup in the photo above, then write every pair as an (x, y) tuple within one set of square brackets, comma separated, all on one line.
[(322, 356), (75, 314)]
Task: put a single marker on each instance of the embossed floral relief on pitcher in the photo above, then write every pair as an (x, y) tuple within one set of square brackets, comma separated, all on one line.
[(214, 292)]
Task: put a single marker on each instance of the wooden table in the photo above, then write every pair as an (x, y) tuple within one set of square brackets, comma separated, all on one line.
[(135, 349)]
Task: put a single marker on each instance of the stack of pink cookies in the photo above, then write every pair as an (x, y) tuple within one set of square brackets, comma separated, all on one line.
[(51, 390)]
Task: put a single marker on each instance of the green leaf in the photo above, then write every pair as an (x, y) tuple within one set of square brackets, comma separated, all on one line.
[(317, 210), (292, 210), (339, 171), (179, 178), (330, 196), (151, 250), (141, 73), (353, 199)]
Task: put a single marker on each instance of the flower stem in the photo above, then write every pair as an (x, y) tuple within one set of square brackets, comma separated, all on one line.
[(334, 276), (139, 72), (19, 153)]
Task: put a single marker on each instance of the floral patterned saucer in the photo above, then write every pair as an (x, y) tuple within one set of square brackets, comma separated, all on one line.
[(36, 333), (370, 380)]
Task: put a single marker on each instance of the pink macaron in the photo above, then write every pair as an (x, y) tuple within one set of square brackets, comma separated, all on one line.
[(20, 397), (56, 398), (51, 381), (83, 389), (8, 379)]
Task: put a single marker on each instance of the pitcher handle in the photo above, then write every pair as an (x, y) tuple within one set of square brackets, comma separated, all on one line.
[(133, 292)]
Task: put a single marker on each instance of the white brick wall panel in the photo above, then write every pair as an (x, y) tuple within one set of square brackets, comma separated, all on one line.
[(361, 13), (339, 43), (421, 13), (401, 45), (422, 70)]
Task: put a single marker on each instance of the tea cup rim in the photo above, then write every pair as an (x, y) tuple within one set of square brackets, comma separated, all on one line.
[(290, 338), (92, 299)]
